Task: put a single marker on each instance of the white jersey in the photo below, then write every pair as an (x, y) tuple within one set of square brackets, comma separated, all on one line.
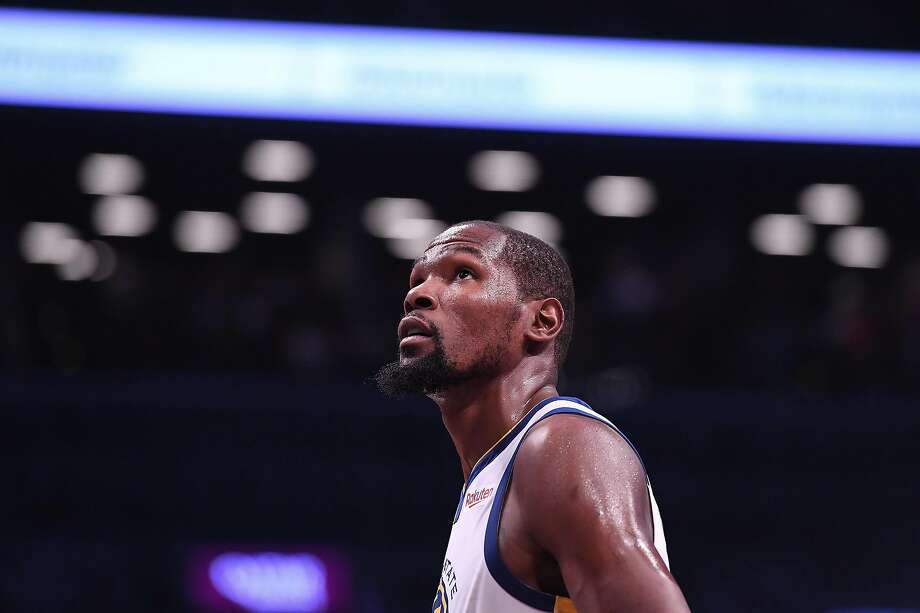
[(474, 578)]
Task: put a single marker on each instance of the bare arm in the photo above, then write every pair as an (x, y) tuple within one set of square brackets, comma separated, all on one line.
[(586, 504)]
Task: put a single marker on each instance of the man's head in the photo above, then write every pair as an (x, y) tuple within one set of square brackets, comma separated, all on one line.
[(482, 298)]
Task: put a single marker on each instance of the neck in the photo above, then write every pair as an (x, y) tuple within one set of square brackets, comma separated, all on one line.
[(479, 413)]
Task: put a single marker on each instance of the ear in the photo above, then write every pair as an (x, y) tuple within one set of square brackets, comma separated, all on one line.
[(546, 318)]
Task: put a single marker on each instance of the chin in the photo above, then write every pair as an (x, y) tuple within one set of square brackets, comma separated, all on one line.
[(406, 356)]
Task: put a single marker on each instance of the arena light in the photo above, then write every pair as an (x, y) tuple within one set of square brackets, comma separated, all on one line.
[(280, 578), (407, 224), (458, 79), (124, 216), (278, 160), (417, 229), (205, 232), (782, 235), (504, 171), (274, 213), (110, 174), (81, 264), (271, 581), (831, 204), (383, 216), (47, 242), (411, 236), (615, 196), (544, 226), (858, 247)]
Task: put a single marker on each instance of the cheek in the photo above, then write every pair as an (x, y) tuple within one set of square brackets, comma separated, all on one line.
[(480, 318)]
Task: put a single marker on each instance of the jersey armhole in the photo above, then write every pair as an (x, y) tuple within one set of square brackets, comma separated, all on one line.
[(516, 588)]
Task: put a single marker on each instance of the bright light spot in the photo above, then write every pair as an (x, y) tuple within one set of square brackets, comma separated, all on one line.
[(108, 261), (271, 582), (406, 223), (858, 247), (383, 216), (274, 213), (47, 243), (411, 236), (613, 196), (417, 229), (110, 174), (82, 264), (782, 235), (278, 160), (504, 171), (544, 226), (205, 232), (831, 204), (124, 216)]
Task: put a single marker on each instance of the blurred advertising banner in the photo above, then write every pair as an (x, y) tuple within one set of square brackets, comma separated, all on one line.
[(281, 579), (445, 78)]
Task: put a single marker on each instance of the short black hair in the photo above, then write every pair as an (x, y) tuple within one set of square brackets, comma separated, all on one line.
[(541, 272)]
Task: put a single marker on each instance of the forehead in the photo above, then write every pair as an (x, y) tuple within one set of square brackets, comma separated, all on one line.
[(482, 241)]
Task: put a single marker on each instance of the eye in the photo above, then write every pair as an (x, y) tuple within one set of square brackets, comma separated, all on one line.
[(464, 273)]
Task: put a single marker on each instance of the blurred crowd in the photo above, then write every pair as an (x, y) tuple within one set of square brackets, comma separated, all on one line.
[(643, 321)]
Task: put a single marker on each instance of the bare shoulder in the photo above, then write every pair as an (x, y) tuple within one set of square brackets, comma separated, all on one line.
[(576, 471), (566, 444), (584, 504)]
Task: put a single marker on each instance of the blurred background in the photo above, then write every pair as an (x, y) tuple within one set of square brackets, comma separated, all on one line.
[(193, 301)]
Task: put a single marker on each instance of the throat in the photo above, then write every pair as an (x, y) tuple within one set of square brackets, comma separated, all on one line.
[(476, 427)]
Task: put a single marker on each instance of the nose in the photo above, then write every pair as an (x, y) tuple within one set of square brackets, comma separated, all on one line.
[(419, 297)]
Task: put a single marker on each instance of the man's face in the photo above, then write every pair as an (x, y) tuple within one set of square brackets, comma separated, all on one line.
[(460, 314)]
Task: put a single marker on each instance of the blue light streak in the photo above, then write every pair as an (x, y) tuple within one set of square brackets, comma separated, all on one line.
[(457, 79)]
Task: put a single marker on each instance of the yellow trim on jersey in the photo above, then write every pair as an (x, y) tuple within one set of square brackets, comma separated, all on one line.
[(503, 437), (564, 605)]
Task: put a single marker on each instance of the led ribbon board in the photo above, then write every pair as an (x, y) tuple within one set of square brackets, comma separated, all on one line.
[(458, 79)]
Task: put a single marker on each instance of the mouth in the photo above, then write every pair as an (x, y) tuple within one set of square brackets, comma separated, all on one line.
[(414, 339), (413, 330)]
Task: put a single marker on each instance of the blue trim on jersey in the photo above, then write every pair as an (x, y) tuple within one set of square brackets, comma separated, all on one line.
[(460, 504), (494, 561), (440, 598), (503, 444), (606, 422)]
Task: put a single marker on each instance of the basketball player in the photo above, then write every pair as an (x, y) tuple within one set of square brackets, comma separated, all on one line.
[(557, 513)]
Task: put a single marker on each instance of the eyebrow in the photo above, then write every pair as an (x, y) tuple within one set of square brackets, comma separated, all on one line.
[(453, 248)]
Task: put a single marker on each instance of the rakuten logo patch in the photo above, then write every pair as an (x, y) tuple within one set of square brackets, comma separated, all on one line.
[(480, 495)]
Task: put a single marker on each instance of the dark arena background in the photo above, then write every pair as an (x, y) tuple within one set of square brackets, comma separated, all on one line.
[(193, 302)]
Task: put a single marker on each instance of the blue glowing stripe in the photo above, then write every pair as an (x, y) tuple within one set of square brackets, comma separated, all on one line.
[(459, 79)]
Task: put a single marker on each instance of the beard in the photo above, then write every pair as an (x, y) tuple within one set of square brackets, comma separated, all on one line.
[(435, 372)]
